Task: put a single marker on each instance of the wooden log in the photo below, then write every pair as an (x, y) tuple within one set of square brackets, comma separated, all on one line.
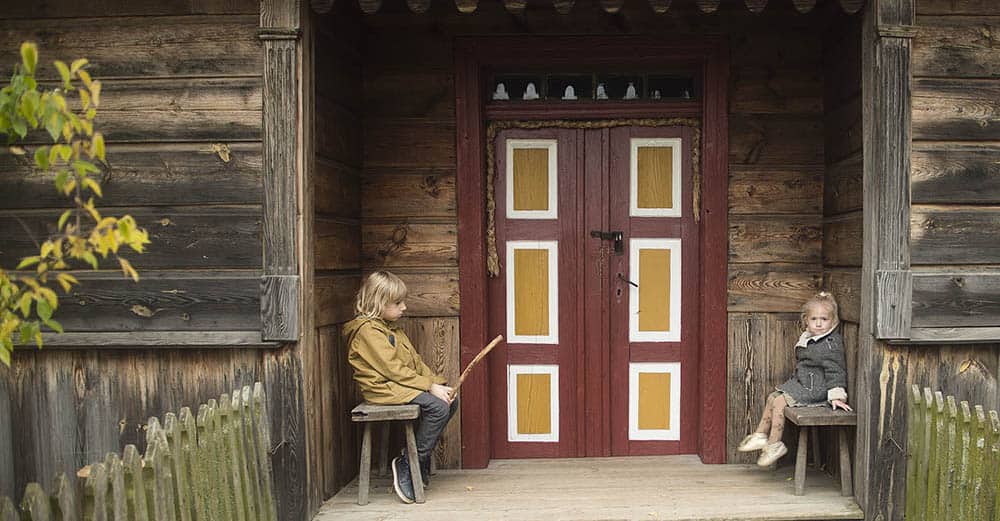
[(262, 426), (842, 191), (945, 108), (956, 7), (956, 47), (418, 6), (119, 8), (767, 189), (431, 293), (747, 355), (337, 244), (229, 424), (410, 142), (429, 192), (338, 133), (134, 484), (35, 504), (142, 46), (181, 237), (564, 7), (955, 234), (804, 6), (956, 299), (611, 6), (955, 174), (845, 285), (843, 130), (64, 499), (337, 189), (118, 502), (466, 6), (708, 6), (410, 245), (755, 6), (515, 6), (771, 287), (775, 139), (794, 239), (334, 294)]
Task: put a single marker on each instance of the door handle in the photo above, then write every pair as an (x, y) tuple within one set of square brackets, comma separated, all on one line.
[(617, 237)]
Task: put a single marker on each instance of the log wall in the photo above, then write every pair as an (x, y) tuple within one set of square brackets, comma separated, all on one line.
[(182, 116)]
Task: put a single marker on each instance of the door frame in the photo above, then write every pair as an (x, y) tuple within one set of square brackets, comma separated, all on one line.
[(474, 58)]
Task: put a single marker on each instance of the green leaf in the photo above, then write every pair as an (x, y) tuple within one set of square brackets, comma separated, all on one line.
[(62, 218), (42, 158), (44, 310), (55, 326), (77, 64), (20, 127), (25, 331), (25, 304), (93, 186), (61, 179), (90, 258), (98, 145), (5, 353), (29, 57), (64, 72), (27, 262)]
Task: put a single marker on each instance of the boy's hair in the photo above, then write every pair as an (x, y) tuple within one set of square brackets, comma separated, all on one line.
[(822, 298), (379, 289)]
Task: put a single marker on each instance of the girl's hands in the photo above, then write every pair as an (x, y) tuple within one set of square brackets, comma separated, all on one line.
[(842, 404), (442, 392)]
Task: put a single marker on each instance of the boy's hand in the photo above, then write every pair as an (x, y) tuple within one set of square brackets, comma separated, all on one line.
[(442, 392), (842, 404)]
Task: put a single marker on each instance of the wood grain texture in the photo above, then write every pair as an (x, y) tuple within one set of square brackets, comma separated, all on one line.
[(955, 234), (428, 193), (774, 239), (948, 108), (130, 47), (966, 371), (845, 285), (956, 299), (893, 308), (771, 89), (409, 143), (283, 378), (776, 139), (182, 237), (843, 130), (956, 7), (771, 287), (842, 240), (335, 294), (842, 186), (337, 189), (337, 244), (963, 173), (409, 94), (115, 8), (956, 47), (431, 293), (767, 189), (338, 133), (150, 175), (410, 245)]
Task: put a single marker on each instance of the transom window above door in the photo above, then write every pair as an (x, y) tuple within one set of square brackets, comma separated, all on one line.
[(583, 86)]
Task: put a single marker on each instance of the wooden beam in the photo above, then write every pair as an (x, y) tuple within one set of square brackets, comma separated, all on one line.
[(321, 6), (140, 339), (951, 335), (893, 294), (956, 299)]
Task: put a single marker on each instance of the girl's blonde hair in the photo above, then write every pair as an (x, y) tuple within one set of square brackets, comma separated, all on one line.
[(379, 289), (822, 298)]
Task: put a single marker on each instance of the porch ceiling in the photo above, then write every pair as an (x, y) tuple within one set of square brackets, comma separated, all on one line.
[(611, 6)]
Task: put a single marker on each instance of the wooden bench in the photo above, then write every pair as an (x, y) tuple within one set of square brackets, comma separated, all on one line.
[(809, 419), (369, 413)]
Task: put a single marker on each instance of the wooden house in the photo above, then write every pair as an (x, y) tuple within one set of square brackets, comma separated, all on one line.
[(736, 155)]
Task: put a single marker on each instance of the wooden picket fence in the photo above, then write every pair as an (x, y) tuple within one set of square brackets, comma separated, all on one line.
[(212, 467), (953, 460)]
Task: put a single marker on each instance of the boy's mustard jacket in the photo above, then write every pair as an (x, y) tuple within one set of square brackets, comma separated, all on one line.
[(387, 368)]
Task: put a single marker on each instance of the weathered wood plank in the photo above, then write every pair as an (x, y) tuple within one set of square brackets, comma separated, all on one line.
[(892, 299), (140, 126), (956, 47), (126, 341), (338, 134), (777, 139), (116, 8), (148, 175), (335, 297), (337, 189), (776, 90), (956, 299), (135, 482), (428, 193), (409, 94), (410, 245), (283, 380), (842, 240), (845, 285), (337, 244), (771, 287), (956, 7), (774, 239), (955, 174), (843, 130), (955, 234), (756, 189), (411, 143), (181, 237), (950, 108), (430, 293), (340, 78), (141, 46), (748, 374), (842, 189), (6, 436)]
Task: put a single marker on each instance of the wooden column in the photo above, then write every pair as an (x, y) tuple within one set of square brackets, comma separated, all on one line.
[(886, 279), (279, 20)]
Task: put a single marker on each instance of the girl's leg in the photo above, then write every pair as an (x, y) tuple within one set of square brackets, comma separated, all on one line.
[(777, 419), (765, 419)]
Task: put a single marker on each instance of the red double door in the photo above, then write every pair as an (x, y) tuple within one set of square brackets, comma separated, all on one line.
[(597, 293)]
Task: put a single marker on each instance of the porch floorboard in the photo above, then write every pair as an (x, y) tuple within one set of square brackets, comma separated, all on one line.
[(675, 488)]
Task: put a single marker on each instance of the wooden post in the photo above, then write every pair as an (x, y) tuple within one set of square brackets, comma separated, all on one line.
[(948, 461), (978, 458), (914, 449), (262, 424), (960, 493), (937, 455), (95, 494), (885, 294), (231, 451), (134, 483), (240, 457), (182, 490), (250, 452), (116, 479), (65, 501)]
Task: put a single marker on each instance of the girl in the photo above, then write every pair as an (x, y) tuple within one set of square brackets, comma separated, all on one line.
[(820, 377), (389, 371)]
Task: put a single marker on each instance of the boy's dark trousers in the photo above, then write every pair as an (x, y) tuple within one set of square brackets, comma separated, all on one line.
[(434, 416)]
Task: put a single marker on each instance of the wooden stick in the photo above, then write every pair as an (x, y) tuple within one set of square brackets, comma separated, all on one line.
[(482, 354)]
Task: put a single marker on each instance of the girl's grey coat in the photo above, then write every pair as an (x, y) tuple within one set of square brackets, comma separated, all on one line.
[(820, 366)]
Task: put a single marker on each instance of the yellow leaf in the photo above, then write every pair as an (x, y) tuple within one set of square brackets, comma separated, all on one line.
[(77, 64), (95, 92), (98, 145), (223, 150), (128, 270), (94, 186), (47, 247), (84, 98), (17, 151), (85, 76)]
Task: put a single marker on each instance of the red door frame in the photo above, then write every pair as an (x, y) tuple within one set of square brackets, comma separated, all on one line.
[(474, 57)]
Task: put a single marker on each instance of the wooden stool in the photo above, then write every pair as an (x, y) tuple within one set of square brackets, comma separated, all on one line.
[(367, 413), (811, 418)]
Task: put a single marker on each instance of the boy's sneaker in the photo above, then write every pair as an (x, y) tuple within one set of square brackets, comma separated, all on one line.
[(771, 454), (755, 441), (401, 480)]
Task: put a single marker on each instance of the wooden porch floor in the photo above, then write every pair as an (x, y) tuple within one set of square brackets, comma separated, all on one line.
[(676, 488)]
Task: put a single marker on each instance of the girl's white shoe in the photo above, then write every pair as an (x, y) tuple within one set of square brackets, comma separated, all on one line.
[(771, 454), (755, 441)]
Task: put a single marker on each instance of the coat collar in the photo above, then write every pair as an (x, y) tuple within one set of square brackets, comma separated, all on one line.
[(805, 338)]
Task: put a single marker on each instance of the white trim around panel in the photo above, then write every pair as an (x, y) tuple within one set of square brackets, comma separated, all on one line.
[(674, 432), (674, 333), (633, 198), (553, 249), (512, 372), (552, 147)]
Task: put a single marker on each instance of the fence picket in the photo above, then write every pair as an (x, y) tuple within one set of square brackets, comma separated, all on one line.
[(158, 459), (35, 504), (948, 458), (135, 488), (978, 454), (935, 406), (182, 490), (229, 423), (95, 494), (187, 456), (239, 432), (263, 421), (116, 480), (913, 450), (251, 453), (64, 501), (208, 507), (995, 465), (7, 510), (960, 504)]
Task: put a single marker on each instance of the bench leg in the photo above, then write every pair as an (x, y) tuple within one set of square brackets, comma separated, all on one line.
[(845, 463), (411, 451), (814, 439), (364, 473), (383, 456), (800, 461)]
